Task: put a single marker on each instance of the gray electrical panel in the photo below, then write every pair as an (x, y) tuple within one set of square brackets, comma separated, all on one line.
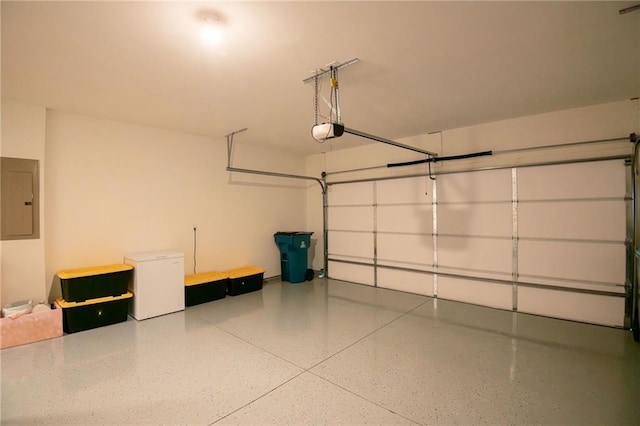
[(19, 199)]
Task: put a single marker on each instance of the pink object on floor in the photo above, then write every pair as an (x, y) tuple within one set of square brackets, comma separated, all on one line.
[(30, 328)]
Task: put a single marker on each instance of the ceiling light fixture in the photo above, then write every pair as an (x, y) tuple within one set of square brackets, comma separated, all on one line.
[(211, 31)]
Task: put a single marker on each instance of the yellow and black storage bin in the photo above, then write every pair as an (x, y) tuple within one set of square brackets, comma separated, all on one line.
[(204, 287), (244, 280), (93, 313), (81, 284)]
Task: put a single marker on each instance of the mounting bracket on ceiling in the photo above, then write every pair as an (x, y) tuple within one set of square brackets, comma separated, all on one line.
[(333, 66)]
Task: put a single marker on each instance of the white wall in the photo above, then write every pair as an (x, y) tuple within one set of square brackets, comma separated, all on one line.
[(22, 271), (114, 188)]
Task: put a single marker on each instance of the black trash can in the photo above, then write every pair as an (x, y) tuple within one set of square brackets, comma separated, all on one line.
[(293, 248)]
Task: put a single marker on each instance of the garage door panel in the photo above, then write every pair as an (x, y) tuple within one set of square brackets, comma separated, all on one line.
[(356, 244), (407, 218), (475, 219), (408, 281), (405, 248), (351, 218), (416, 190), (574, 284), (482, 254), (476, 292), (493, 185), (572, 260), (572, 181), (405, 264), (350, 194), (353, 273), (595, 220), (596, 309)]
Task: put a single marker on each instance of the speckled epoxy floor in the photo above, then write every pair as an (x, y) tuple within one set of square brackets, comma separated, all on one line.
[(327, 352)]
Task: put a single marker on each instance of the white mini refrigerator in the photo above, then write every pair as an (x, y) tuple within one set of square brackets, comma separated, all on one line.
[(157, 284)]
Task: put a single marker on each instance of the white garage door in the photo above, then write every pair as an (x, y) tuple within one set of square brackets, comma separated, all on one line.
[(547, 240)]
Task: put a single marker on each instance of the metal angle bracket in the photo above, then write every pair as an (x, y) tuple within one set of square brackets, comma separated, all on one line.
[(229, 138)]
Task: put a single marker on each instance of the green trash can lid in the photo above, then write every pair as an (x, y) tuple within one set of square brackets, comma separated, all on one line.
[(292, 233)]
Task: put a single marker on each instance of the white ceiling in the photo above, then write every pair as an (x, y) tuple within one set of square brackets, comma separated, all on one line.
[(424, 66)]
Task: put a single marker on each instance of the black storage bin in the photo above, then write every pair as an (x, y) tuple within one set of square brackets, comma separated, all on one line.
[(94, 282), (245, 280), (93, 313), (204, 287)]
